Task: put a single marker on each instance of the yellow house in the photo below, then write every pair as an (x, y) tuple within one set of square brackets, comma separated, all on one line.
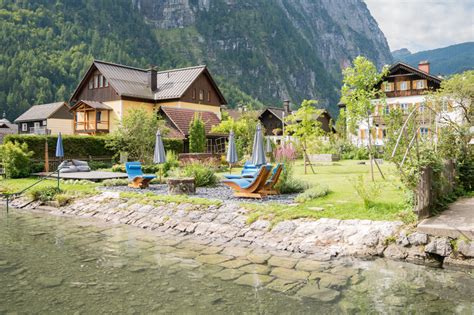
[(108, 91)]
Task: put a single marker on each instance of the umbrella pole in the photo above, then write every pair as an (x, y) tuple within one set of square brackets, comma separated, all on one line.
[(230, 168), (161, 174)]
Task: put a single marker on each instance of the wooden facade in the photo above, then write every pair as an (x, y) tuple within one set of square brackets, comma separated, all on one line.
[(90, 120), (99, 91), (202, 91)]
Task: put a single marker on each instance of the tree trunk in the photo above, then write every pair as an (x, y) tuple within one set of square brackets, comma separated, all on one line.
[(304, 157)]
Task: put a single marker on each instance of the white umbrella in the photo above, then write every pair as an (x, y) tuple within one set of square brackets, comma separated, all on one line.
[(258, 152), (231, 157), (159, 156)]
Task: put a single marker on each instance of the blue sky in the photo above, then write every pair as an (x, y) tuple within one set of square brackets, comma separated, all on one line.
[(424, 24)]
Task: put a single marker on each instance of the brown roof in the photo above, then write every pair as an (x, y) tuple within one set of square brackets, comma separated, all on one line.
[(133, 82), (235, 114), (409, 68), (181, 118), (40, 112), (96, 105)]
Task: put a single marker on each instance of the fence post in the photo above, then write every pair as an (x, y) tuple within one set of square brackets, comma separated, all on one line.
[(424, 197)]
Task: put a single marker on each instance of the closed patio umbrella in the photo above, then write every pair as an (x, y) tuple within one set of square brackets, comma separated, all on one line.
[(231, 157), (268, 148), (59, 151), (159, 156), (258, 152)]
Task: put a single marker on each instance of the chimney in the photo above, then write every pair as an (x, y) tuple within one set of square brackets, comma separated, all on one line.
[(424, 66), (286, 106), (152, 79)]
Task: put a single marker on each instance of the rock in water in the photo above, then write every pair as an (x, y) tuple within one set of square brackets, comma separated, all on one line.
[(49, 282)]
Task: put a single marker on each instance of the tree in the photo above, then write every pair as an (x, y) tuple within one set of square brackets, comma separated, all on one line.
[(136, 134), (197, 135), (244, 131), (358, 93), (341, 125), (305, 126)]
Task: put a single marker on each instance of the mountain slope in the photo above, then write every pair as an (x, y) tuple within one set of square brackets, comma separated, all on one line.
[(445, 61), (259, 50)]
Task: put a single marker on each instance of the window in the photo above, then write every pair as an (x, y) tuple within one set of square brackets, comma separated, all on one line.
[(386, 110), (91, 84), (201, 95), (99, 116), (96, 81), (101, 80), (45, 122), (423, 131), (37, 125), (388, 87), (404, 107), (420, 84), (208, 96), (422, 107), (24, 127), (106, 82), (194, 94), (403, 86)]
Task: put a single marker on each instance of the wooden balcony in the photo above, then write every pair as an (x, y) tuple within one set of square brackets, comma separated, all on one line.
[(91, 118)]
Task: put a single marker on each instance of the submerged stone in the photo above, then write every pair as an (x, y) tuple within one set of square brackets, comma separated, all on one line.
[(213, 259), (236, 263), (309, 265), (229, 274), (256, 268), (285, 262), (282, 285), (289, 274), (49, 282), (258, 258), (254, 280), (328, 280), (314, 291)]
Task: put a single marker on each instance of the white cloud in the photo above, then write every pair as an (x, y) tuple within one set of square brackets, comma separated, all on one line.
[(424, 24)]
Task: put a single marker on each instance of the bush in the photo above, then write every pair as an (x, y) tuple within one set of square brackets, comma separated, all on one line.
[(37, 167), (115, 182), (312, 193), (44, 193), (74, 146), (203, 174), (96, 165), (287, 184), (171, 162), (197, 135), (16, 159), (174, 145), (286, 153), (367, 191)]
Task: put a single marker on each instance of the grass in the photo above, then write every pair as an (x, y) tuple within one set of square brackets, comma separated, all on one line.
[(79, 188), (342, 202)]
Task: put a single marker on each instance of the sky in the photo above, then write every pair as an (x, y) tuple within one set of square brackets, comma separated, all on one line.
[(424, 24)]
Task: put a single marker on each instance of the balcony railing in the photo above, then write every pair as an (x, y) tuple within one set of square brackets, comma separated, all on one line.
[(39, 131)]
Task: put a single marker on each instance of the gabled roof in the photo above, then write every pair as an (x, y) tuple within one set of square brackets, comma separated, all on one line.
[(96, 105), (406, 67), (133, 82), (181, 118), (276, 111), (40, 112)]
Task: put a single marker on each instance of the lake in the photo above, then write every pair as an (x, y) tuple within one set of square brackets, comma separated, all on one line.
[(62, 265)]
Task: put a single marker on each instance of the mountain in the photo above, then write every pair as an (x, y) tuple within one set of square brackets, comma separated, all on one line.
[(260, 51), (444, 61)]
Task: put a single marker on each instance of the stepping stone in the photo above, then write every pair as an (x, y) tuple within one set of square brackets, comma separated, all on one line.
[(229, 274), (236, 263), (285, 262), (309, 265), (236, 251), (213, 259), (289, 274), (328, 280), (258, 258), (256, 268), (282, 285), (254, 280), (313, 291)]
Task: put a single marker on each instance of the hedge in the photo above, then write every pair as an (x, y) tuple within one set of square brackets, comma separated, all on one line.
[(78, 146), (74, 146)]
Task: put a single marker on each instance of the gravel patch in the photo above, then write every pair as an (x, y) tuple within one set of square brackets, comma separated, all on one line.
[(219, 192)]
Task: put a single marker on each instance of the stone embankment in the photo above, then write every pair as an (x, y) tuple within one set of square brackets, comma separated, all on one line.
[(321, 240)]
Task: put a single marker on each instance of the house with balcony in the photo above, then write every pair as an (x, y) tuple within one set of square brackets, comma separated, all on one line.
[(46, 119), (108, 91), (405, 88)]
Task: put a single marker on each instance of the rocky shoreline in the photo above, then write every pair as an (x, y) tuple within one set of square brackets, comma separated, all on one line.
[(227, 226)]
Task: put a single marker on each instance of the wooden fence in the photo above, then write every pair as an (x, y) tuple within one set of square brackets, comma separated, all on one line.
[(426, 195)]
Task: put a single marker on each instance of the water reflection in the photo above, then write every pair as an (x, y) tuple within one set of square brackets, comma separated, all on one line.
[(61, 265)]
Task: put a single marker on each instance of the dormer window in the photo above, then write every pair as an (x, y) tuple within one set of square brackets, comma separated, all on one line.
[(208, 96), (201, 95), (96, 81), (106, 82), (194, 94), (91, 84), (101, 80)]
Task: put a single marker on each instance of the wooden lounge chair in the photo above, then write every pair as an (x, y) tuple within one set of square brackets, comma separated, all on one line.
[(136, 176), (269, 187), (250, 188)]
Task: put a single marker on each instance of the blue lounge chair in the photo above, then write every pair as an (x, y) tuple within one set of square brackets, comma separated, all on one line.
[(249, 171), (250, 188), (136, 176)]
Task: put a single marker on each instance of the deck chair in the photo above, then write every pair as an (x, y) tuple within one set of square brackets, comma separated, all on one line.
[(248, 171), (269, 187), (136, 177), (250, 188)]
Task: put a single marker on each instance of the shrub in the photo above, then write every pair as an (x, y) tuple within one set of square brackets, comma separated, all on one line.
[(286, 153), (287, 184), (63, 199), (171, 162), (37, 167), (115, 182), (203, 174), (197, 135), (96, 165), (367, 191), (16, 159), (44, 193), (312, 193)]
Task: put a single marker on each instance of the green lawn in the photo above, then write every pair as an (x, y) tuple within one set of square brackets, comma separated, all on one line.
[(16, 185), (343, 201)]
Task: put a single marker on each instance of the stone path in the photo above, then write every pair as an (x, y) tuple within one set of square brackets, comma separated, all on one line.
[(456, 221)]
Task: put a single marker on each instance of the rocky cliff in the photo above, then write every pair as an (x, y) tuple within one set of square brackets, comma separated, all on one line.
[(270, 49)]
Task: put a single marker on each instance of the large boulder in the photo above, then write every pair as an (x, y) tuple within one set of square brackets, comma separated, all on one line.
[(466, 248), (439, 246)]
